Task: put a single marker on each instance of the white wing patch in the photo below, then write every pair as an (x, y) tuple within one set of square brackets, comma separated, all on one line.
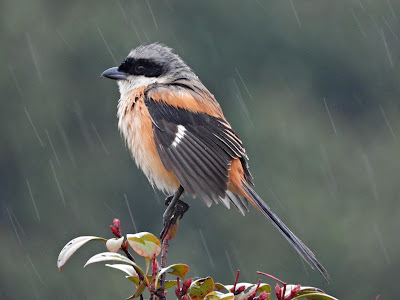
[(179, 135)]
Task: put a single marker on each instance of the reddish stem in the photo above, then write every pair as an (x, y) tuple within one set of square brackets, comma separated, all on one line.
[(236, 280), (270, 276)]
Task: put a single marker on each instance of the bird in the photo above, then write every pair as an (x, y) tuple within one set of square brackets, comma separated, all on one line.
[(179, 137)]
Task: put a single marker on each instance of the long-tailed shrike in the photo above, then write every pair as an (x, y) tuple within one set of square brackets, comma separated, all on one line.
[(179, 137)]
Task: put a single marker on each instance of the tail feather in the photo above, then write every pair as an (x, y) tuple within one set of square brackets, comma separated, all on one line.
[(297, 244)]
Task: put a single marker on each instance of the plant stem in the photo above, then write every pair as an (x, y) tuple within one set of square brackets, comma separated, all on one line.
[(165, 239), (164, 252), (128, 255)]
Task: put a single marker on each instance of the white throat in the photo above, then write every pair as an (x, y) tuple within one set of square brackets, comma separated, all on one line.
[(126, 86)]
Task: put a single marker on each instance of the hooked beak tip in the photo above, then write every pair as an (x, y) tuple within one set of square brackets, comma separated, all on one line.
[(114, 73)]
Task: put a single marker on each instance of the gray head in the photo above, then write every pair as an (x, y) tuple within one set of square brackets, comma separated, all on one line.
[(148, 64)]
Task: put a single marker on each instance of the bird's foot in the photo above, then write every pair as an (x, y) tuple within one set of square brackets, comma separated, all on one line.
[(175, 210)]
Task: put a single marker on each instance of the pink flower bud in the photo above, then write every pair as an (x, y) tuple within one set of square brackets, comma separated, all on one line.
[(117, 223), (239, 290), (155, 266), (186, 285), (115, 231), (294, 291), (278, 292), (263, 296)]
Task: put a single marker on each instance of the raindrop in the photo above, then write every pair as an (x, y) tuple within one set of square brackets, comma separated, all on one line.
[(242, 103), (33, 200), (205, 246), (33, 266), (58, 183), (295, 13), (18, 87), (228, 258), (52, 148), (130, 213), (99, 137), (388, 123), (151, 11), (34, 128), (15, 228), (105, 42), (330, 117), (28, 38), (386, 47), (382, 244)]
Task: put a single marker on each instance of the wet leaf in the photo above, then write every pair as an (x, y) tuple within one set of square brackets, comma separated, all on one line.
[(177, 269), (139, 290), (72, 246), (110, 256), (134, 279), (262, 288), (124, 268), (114, 244), (215, 295), (173, 230), (200, 288), (305, 289), (145, 244), (315, 296), (220, 287), (168, 284)]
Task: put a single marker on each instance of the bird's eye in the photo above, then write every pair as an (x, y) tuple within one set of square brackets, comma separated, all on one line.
[(139, 69)]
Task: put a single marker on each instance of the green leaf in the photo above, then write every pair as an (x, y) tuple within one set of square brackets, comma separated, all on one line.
[(124, 268), (200, 288), (147, 265), (145, 244), (110, 256), (72, 246), (177, 269), (134, 279), (315, 296), (262, 288), (305, 289), (169, 284), (215, 295), (139, 290), (220, 286)]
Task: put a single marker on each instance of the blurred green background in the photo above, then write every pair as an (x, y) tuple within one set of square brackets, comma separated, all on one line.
[(312, 87)]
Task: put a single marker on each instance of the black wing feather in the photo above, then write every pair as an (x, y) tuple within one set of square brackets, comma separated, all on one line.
[(201, 158)]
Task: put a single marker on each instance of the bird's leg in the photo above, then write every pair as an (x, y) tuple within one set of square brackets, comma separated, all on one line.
[(176, 208)]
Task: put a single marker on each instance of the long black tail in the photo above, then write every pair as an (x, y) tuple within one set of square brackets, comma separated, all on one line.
[(297, 244)]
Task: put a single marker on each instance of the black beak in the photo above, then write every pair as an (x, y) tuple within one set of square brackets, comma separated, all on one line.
[(113, 73)]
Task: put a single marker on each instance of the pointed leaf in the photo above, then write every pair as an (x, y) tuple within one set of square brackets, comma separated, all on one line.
[(173, 230), (145, 244), (134, 279), (215, 295), (72, 246), (177, 269), (262, 288), (315, 296), (110, 256), (200, 288), (124, 268), (169, 284), (139, 290), (305, 289), (220, 287)]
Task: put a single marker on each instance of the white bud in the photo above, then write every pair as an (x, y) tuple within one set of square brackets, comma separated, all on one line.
[(114, 244)]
